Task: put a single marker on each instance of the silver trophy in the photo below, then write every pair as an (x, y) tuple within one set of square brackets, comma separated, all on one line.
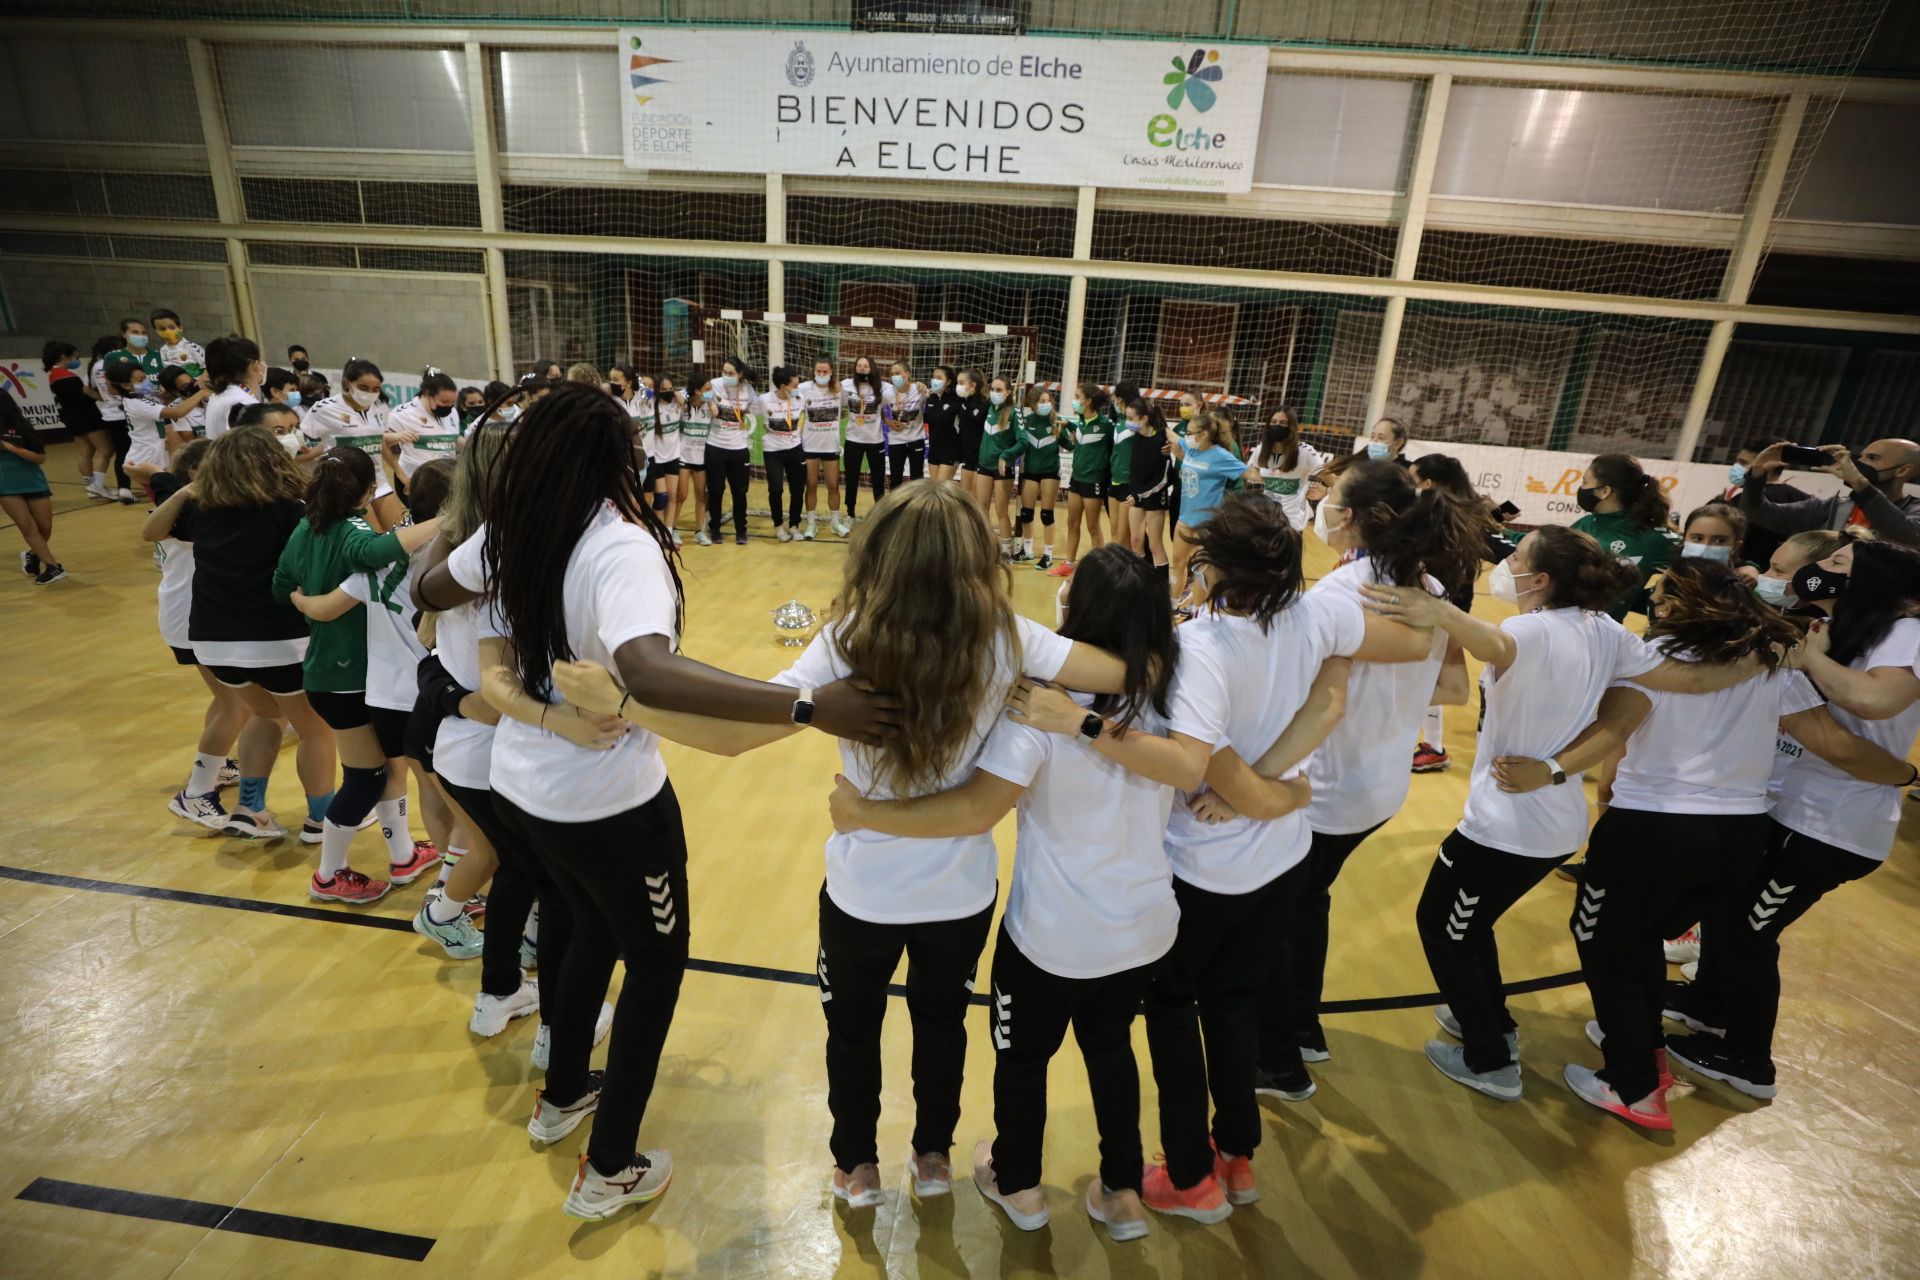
[(795, 623)]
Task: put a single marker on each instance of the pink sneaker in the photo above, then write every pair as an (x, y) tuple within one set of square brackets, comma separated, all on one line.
[(425, 858), (1203, 1201), (1235, 1176), (1064, 569), (347, 886), (1649, 1112)]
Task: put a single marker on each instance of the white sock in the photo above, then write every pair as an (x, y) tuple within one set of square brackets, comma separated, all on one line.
[(441, 905), (99, 479), (206, 774), (1049, 548), (1433, 731), (1027, 545), (393, 825), (532, 932), (334, 841), (447, 864)]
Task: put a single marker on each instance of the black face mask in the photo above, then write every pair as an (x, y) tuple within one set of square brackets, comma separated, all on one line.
[(442, 410), (301, 366), (1588, 497), (1870, 473), (1812, 583)]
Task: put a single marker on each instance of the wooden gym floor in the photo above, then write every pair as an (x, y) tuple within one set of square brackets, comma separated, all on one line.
[(203, 1074)]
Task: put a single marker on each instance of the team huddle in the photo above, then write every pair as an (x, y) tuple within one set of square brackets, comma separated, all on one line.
[(479, 591)]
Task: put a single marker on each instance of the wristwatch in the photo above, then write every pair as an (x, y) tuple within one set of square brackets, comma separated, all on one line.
[(1553, 767), (803, 707), (1091, 727)]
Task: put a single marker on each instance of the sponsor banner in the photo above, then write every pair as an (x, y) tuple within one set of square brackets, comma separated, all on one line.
[(1156, 114), (23, 379)]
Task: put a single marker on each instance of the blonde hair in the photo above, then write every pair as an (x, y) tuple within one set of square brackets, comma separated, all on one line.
[(1816, 545), (466, 505), (586, 375), (248, 467), (925, 564)]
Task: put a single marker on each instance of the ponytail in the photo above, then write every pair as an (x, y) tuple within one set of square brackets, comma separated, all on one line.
[(1584, 575), (1409, 531), (1641, 497), (433, 382), (228, 360), (340, 481)]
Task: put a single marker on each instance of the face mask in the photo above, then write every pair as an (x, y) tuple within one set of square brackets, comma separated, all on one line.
[(997, 398), (1320, 528), (1587, 497), (966, 392), (937, 385), (822, 379), (169, 335), (707, 396), (442, 410), (1702, 551), (1079, 408), (728, 381), (144, 387), (1186, 411), (1044, 409), (301, 366), (1736, 475), (293, 399), (1379, 450), (138, 342), (1502, 584), (361, 399), (1815, 583), (74, 363), (1870, 473), (1775, 591), (899, 382)]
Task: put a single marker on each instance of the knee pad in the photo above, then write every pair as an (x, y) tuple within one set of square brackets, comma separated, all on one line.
[(360, 790), (661, 501), (1046, 516), (1026, 515)]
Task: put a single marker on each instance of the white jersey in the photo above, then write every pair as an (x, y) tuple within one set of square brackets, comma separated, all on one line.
[(663, 432), (823, 406), (437, 437), (1237, 687), (1288, 486), (694, 429), (733, 413), (1357, 781), (786, 416), (220, 409), (1565, 660), (1092, 887), (148, 431), (110, 408), (393, 647), (1819, 801), (174, 559), (463, 748), (907, 409), (334, 422), (863, 411), (896, 880), (187, 354)]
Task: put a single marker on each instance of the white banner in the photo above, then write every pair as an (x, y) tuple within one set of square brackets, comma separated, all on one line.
[(1106, 113), (24, 380)]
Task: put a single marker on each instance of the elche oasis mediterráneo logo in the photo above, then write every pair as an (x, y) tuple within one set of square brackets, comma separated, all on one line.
[(638, 67), (16, 380), (1190, 83)]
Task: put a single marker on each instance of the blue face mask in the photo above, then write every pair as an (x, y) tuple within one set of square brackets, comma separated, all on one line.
[(1044, 409), (1078, 407), (1736, 475), (293, 399), (706, 395), (138, 342), (1379, 450), (937, 385), (1702, 551), (997, 397), (74, 363), (899, 382)]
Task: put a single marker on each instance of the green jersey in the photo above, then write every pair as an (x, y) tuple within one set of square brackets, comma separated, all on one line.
[(1039, 446), (1120, 460), (1090, 441), (148, 359), (1000, 440), (316, 563), (1645, 551)]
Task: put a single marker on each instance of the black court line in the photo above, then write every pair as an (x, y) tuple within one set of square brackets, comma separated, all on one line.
[(220, 1217), (725, 968)]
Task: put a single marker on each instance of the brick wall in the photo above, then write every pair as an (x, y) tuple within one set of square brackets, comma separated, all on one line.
[(78, 300)]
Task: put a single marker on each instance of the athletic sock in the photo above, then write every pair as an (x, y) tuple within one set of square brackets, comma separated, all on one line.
[(447, 863), (1027, 543), (393, 825), (317, 806), (440, 905), (334, 841), (206, 774), (253, 793), (1049, 548), (100, 482)]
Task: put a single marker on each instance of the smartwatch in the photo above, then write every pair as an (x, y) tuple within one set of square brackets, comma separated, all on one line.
[(1553, 767), (803, 708), (1091, 727)]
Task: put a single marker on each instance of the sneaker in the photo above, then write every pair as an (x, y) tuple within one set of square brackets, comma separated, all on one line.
[(1293, 1088), (94, 491), (311, 831), (550, 1123), (860, 1189), (1120, 1212), (1020, 556), (491, 1014), (1675, 1008), (1203, 1201), (931, 1175), (347, 886), (229, 774), (676, 537), (1063, 569), (1598, 1037), (1690, 970), (1235, 1176), (807, 530), (596, 1195), (1026, 1209), (529, 954), (842, 526), (459, 939), (30, 563), (783, 535), (1649, 1113), (1313, 1045), (205, 810), (740, 540), (1705, 1056), (425, 858), (703, 538), (49, 573), (543, 1037), (1683, 948), (249, 825), (1045, 562), (1450, 1060), (1443, 1014), (1430, 759), (126, 497)]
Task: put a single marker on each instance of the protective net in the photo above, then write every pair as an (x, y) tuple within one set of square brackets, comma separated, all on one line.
[(466, 196), (702, 338)]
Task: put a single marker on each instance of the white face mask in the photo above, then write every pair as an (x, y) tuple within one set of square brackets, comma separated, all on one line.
[(822, 379), (997, 397), (1703, 551), (1501, 582), (1320, 529), (362, 399), (1775, 591)]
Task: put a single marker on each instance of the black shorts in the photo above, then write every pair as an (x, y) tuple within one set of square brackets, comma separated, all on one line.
[(658, 470), (819, 457), (1158, 500), (37, 493), (184, 656), (943, 446), (1053, 476), (390, 727), (341, 711), (1095, 489), (1117, 492), (280, 680)]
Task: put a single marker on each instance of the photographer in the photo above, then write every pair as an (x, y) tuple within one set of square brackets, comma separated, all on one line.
[(1875, 495)]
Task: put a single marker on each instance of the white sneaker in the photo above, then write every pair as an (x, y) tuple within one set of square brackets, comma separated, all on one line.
[(1119, 1229), (1684, 948), (459, 939), (842, 526), (701, 538), (595, 1195), (676, 537), (543, 1038), (127, 498), (783, 535), (253, 826), (205, 810), (983, 1178), (1450, 1060), (550, 1123), (229, 774), (807, 532), (1443, 1014), (491, 1014), (930, 1175)]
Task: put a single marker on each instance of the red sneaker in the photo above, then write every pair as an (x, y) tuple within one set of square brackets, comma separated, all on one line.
[(347, 886), (1064, 569), (1203, 1201), (1235, 1176), (1428, 758), (1649, 1113), (424, 858)]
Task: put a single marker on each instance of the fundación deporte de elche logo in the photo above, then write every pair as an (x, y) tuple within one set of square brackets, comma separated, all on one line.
[(799, 66), (640, 71), (1192, 80)]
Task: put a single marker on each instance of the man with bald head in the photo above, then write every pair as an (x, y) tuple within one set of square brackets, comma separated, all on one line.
[(1874, 497)]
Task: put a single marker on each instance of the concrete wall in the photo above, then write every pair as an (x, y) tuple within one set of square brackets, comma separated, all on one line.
[(78, 300), (403, 321)]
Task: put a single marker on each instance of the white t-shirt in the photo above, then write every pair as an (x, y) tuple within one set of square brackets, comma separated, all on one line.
[(438, 437), (693, 436), (1289, 487), (1708, 752), (393, 648), (110, 407), (823, 418), (863, 411), (663, 432), (782, 413), (908, 404), (1237, 688), (895, 880), (148, 431), (174, 559), (1566, 660), (617, 588), (1358, 781), (220, 408), (1092, 888), (462, 748), (334, 422), (187, 354), (733, 410), (1821, 802)]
